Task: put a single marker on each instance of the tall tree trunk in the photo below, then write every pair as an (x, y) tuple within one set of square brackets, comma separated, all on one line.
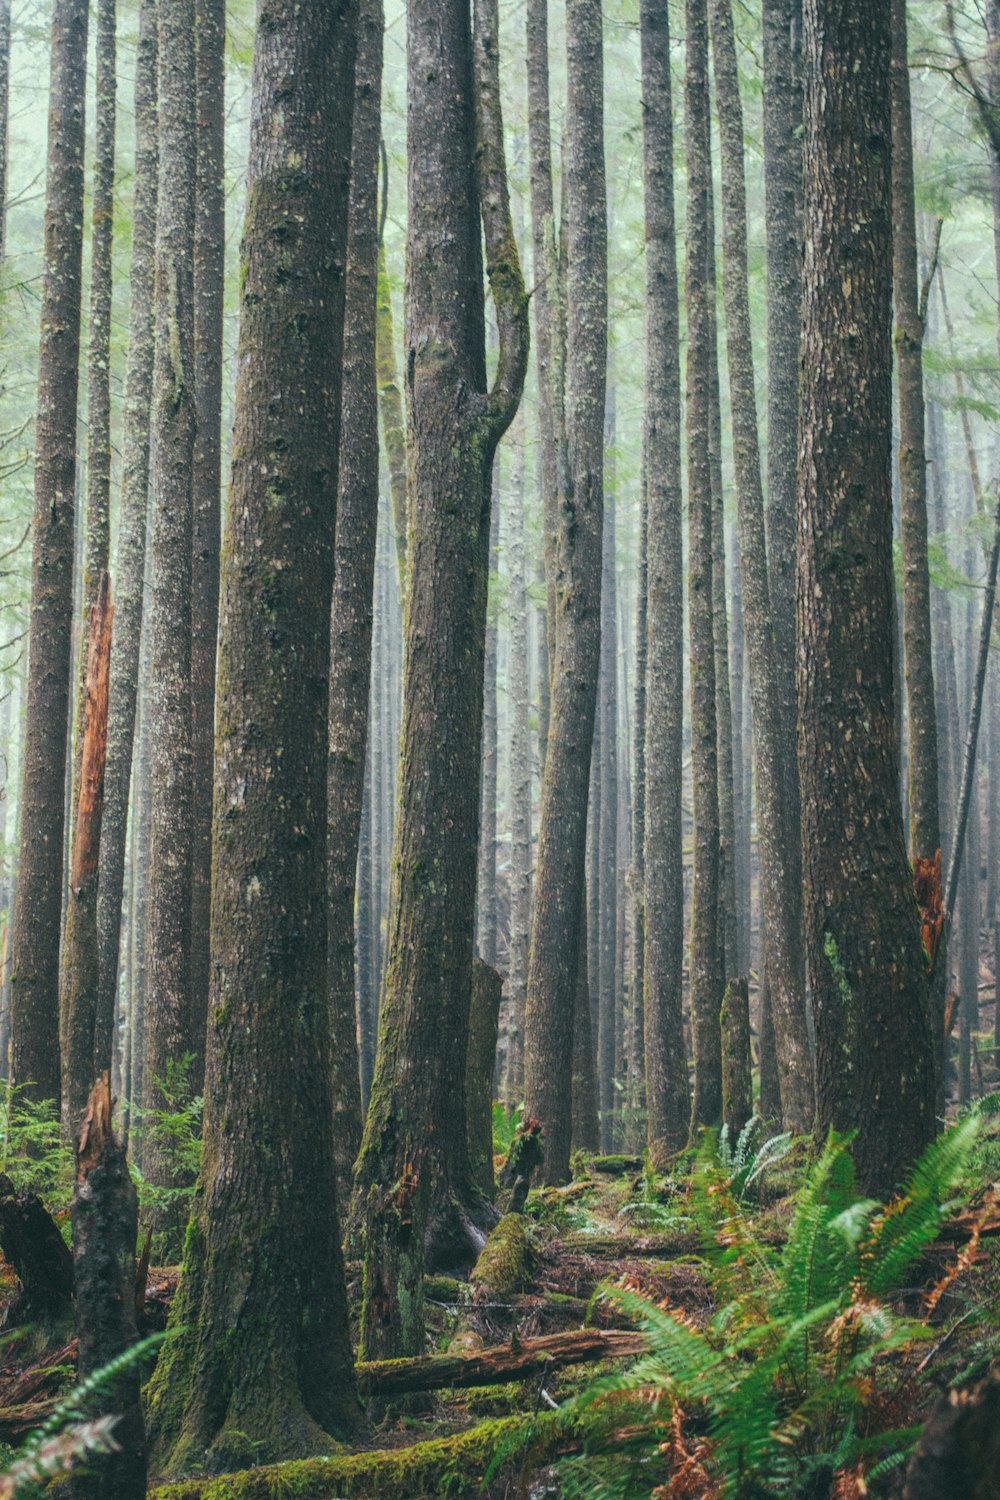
[(169, 1030), (635, 878), (353, 585), (390, 398), (866, 965), (552, 970), (667, 1089), (608, 1001), (705, 968), (413, 1173), (267, 1185), (206, 477), (520, 779), (131, 550), (35, 937), (777, 826), (486, 895)]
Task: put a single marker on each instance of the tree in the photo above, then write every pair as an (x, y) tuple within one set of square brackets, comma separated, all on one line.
[(169, 1024), (209, 248), (413, 1178), (777, 822), (667, 1089), (576, 559), (353, 583), (866, 965), (705, 981), (38, 915), (131, 555), (263, 1366)]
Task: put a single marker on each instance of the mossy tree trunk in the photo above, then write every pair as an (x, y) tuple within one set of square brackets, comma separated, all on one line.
[(263, 1367), (413, 1177), (866, 966), (353, 584), (35, 938), (520, 781), (668, 1097), (576, 607), (131, 551)]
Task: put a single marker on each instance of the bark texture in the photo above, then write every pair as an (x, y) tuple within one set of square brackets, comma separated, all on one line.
[(576, 560), (36, 931), (866, 966), (263, 1368), (484, 1016), (668, 1099)]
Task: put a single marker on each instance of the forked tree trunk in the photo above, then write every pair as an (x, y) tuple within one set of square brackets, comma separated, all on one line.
[(36, 932), (667, 1089), (866, 966), (414, 1190), (553, 967), (267, 1185)]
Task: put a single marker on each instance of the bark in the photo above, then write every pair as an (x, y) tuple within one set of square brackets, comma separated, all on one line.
[(353, 586), (520, 784), (131, 553), (484, 1016), (959, 1448), (261, 1365), (169, 1024), (576, 561), (584, 1129), (486, 895), (365, 975), (770, 1093), (737, 1074), (413, 1179), (35, 1249), (667, 1089), (495, 1366), (36, 931), (390, 401), (777, 822), (80, 949), (705, 973), (635, 878), (105, 1218), (206, 472), (866, 965), (741, 789), (609, 1000)]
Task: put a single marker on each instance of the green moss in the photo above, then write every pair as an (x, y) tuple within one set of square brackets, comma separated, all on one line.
[(505, 1261), (442, 1466), (446, 1289)]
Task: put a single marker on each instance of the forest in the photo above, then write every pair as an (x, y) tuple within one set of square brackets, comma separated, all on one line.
[(499, 749)]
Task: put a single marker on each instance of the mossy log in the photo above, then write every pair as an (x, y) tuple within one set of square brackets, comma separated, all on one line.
[(442, 1466), (484, 1018), (616, 1165), (504, 1265), (494, 1366)]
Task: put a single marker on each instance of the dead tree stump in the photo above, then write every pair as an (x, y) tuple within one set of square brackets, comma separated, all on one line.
[(105, 1217)]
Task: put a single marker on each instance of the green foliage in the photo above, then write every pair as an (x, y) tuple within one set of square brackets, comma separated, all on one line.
[(505, 1126), (173, 1131), (746, 1160), (32, 1152), (787, 1385)]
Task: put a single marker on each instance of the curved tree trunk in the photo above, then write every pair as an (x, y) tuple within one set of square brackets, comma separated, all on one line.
[(576, 559), (413, 1176), (667, 1089), (353, 584), (35, 937), (866, 966)]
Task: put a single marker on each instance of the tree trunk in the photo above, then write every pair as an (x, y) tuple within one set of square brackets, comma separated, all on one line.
[(635, 878), (705, 975), (353, 585), (131, 555), (105, 1217), (737, 1074), (520, 784), (484, 1015), (607, 915), (585, 1128), (777, 824), (169, 1028), (486, 894), (206, 473), (266, 1199), (36, 932), (390, 399), (80, 951), (413, 1177), (576, 558), (667, 1090), (866, 966)]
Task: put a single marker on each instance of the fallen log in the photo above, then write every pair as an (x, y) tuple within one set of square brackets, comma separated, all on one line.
[(495, 1366), (629, 1246)]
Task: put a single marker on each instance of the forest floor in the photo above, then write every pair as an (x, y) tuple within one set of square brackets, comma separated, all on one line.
[(571, 1271)]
